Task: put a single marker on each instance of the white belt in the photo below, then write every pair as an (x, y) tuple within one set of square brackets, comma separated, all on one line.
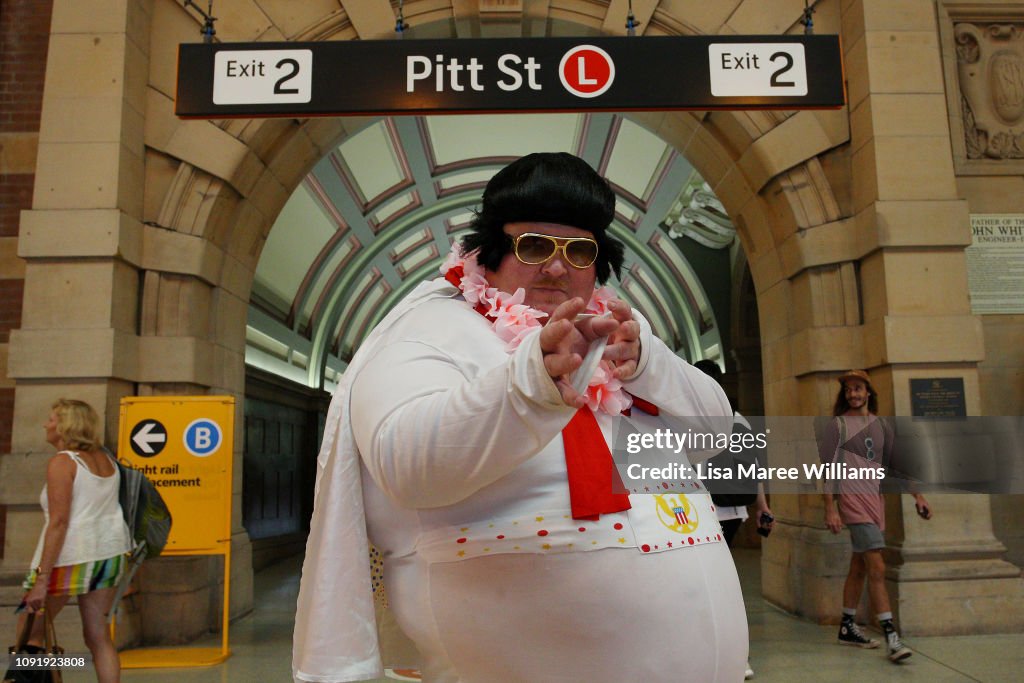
[(655, 523)]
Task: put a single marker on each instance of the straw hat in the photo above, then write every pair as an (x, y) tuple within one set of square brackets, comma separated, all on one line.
[(855, 374)]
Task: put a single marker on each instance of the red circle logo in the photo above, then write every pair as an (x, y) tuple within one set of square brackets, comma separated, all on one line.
[(586, 71)]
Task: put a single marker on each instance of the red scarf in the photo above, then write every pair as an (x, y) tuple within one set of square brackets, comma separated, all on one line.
[(593, 479)]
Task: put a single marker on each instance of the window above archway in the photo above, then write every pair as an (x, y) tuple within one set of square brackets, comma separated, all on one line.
[(378, 213)]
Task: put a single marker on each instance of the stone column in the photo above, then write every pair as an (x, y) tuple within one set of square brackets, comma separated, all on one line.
[(946, 576), (97, 294), (80, 242)]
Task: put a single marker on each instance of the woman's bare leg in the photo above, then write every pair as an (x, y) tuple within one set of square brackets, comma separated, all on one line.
[(94, 607)]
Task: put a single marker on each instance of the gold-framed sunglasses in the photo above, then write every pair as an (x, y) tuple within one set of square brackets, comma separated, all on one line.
[(533, 248)]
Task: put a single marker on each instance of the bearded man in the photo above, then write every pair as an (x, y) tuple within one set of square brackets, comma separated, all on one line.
[(858, 438)]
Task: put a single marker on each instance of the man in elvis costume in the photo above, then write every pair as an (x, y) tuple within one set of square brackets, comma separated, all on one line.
[(457, 444)]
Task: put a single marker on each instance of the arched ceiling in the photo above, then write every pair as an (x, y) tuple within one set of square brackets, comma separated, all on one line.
[(378, 214)]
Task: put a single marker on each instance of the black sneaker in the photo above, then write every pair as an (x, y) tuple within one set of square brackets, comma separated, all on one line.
[(897, 650), (850, 634)]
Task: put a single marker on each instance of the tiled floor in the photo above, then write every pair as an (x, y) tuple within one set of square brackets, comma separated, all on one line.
[(783, 648)]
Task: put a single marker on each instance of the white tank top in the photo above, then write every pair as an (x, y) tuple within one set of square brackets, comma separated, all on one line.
[(96, 530)]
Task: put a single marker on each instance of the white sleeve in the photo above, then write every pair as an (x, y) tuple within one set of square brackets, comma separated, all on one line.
[(431, 435), (675, 386)]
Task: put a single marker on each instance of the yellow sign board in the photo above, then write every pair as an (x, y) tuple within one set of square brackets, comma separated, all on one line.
[(185, 445)]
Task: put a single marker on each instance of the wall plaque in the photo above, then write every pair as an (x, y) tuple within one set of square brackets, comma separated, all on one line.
[(995, 264), (938, 397)]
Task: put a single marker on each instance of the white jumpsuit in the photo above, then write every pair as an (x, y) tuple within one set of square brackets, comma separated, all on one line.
[(465, 494)]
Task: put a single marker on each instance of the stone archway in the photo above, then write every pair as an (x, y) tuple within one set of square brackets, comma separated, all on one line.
[(168, 218)]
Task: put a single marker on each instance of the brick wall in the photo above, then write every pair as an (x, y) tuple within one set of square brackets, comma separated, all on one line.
[(24, 38), (15, 195), (10, 306), (25, 35)]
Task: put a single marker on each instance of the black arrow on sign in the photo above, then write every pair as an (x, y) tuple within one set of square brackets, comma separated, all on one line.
[(148, 438)]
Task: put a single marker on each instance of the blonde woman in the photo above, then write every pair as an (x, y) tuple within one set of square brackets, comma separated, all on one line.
[(81, 551)]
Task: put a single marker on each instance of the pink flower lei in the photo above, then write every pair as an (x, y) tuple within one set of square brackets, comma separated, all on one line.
[(512, 320)]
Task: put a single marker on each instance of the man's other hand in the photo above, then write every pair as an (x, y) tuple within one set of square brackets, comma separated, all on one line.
[(565, 340), (623, 350), (832, 520)]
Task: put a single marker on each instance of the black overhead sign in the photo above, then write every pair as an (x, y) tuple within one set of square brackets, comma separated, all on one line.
[(361, 77)]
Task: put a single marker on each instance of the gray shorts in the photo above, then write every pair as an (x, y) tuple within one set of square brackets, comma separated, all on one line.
[(866, 537)]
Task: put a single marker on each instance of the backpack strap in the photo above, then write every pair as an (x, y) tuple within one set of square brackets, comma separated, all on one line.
[(841, 424), (842, 437)]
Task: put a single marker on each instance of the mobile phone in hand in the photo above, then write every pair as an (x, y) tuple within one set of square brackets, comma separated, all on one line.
[(763, 524)]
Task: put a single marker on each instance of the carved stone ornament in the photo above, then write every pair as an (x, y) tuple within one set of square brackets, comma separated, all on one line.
[(990, 70)]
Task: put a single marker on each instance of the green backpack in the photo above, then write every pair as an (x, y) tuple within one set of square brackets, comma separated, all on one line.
[(144, 510)]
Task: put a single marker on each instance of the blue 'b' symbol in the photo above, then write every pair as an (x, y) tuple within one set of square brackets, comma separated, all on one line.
[(202, 437)]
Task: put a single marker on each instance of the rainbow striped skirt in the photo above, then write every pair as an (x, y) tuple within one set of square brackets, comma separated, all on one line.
[(75, 579)]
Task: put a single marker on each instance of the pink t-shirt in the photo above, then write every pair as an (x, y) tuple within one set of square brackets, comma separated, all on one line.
[(859, 442)]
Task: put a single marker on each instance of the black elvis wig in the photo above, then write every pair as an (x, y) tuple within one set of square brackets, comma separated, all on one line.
[(545, 187)]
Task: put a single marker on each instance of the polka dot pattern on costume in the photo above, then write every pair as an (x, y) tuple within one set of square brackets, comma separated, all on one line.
[(377, 577), (555, 532)]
